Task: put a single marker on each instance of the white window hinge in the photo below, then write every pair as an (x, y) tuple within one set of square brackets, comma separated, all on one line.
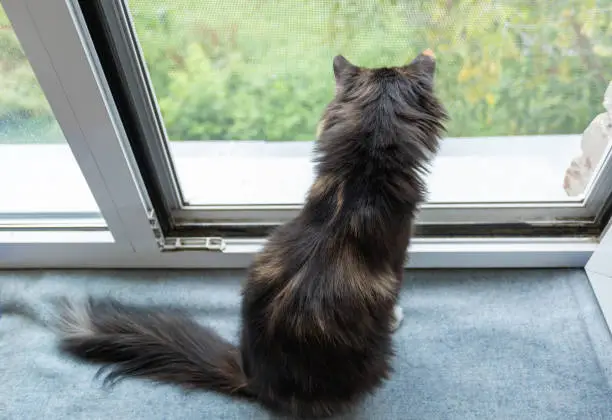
[(212, 243)]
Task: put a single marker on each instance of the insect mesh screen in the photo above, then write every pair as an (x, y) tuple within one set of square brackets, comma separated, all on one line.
[(25, 114), (262, 69)]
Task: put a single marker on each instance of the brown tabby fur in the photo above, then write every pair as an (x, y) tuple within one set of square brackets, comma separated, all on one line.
[(318, 303)]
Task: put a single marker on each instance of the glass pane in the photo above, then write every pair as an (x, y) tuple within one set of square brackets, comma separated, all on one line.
[(241, 84), (38, 171)]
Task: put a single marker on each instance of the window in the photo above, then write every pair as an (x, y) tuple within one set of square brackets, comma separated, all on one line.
[(189, 124), (67, 189), (42, 184), (240, 85)]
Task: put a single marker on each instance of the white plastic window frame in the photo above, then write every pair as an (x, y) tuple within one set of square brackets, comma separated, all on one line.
[(59, 51)]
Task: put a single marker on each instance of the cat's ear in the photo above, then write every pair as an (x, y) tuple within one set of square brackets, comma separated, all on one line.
[(424, 64), (342, 69)]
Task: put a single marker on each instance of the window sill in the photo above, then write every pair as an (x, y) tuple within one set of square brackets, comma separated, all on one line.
[(55, 237), (67, 252), (45, 179), (467, 170)]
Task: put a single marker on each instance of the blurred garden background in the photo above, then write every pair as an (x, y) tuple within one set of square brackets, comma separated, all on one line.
[(261, 69)]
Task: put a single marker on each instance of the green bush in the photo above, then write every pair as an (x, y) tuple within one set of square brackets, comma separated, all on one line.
[(261, 69), (505, 68), (25, 115)]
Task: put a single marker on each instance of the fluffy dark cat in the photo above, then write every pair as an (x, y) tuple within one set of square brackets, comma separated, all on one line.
[(318, 308)]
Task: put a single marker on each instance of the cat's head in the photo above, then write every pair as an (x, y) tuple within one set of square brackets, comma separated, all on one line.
[(385, 98)]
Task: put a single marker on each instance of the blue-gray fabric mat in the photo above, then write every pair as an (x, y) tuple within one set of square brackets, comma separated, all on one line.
[(488, 344)]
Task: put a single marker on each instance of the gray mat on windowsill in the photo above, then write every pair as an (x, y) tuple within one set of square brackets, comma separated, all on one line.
[(489, 344)]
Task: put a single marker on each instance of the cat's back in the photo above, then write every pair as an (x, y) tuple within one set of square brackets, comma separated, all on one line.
[(323, 320), (310, 279), (319, 338)]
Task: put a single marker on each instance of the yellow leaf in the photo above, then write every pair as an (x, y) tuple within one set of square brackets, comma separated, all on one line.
[(602, 50), (490, 98), (464, 74), (472, 96)]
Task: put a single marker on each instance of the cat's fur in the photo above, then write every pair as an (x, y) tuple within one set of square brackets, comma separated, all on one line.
[(318, 303)]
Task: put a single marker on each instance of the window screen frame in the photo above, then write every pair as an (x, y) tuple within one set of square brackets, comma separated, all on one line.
[(115, 39)]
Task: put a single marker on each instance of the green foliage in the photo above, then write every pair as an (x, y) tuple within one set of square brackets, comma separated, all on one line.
[(223, 102), (25, 115), (256, 70), (20, 90), (261, 69)]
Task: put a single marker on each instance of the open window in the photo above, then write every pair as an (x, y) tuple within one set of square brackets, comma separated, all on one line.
[(193, 121), (226, 98), (42, 188)]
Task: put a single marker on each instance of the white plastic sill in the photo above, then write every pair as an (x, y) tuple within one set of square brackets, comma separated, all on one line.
[(54, 237), (500, 169), (46, 178), (423, 253), (42, 178)]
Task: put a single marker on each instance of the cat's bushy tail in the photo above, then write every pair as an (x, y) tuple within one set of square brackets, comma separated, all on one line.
[(163, 346)]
